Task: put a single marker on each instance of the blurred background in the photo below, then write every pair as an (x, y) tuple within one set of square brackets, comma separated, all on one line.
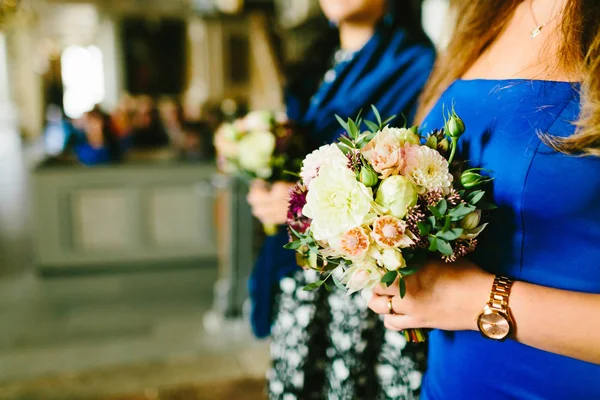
[(123, 271)]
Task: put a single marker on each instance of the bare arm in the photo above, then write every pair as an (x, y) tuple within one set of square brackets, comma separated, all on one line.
[(451, 297)]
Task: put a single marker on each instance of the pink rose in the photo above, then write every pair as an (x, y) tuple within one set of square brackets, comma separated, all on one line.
[(384, 153)]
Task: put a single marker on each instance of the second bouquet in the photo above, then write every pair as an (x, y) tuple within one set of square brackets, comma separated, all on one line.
[(371, 208)]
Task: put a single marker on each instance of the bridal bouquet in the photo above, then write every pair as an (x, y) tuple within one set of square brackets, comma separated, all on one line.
[(262, 145), (371, 208)]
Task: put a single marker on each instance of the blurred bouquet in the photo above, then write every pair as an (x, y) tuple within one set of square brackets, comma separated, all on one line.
[(371, 208), (262, 145)]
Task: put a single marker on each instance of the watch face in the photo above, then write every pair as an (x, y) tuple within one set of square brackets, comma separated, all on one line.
[(494, 325)]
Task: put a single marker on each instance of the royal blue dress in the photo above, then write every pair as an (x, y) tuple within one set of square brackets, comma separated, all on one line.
[(546, 232)]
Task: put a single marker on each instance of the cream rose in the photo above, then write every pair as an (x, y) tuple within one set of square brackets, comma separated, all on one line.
[(336, 202), (397, 194), (255, 152), (313, 161)]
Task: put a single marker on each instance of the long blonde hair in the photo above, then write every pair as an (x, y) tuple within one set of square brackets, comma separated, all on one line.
[(478, 24)]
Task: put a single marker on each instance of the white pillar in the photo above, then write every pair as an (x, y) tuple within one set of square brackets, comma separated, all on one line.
[(7, 109), (109, 43)]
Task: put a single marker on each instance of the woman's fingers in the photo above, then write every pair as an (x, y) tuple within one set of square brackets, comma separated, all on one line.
[(399, 322)]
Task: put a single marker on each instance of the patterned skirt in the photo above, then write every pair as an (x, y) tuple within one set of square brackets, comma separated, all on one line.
[(326, 345)]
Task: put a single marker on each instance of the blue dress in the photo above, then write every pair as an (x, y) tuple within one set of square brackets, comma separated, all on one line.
[(325, 345), (546, 232)]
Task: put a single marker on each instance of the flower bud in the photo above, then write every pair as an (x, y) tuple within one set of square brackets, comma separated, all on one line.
[(392, 259), (470, 179), (455, 126), (368, 177), (415, 129), (432, 142), (471, 221), (443, 146)]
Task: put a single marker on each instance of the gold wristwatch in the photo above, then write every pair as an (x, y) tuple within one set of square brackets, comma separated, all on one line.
[(495, 321)]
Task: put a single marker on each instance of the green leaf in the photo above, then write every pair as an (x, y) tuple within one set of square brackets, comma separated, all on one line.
[(434, 210), (345, 140), (327, 287), (461, 211), (432, 221), (474, 197), (293, 245), (313, 286), (486, 206), (353, 129), (389, 278), (433, 243), (373, 127), (338, 283), (444, 247), (377, 116), (424, 228), (342, 123), (410, 269), (449, 235), (442, 206), (402, 287), (388, 120), (447, 223)]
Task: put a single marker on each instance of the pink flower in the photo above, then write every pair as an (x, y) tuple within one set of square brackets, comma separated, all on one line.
[(384, 153), (295, 218), (391, 232), (353, 244)]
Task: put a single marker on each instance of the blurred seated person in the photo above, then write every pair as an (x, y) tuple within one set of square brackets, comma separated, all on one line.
[(100, 144), (197, 142), (147, 132), (57, 132), (122, 116), (172, 118)]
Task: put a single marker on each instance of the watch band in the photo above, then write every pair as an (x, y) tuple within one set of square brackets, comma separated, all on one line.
[(500, 293)]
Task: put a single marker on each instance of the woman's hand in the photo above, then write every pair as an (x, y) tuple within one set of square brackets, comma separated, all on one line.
[(270, 204), (440, 295)]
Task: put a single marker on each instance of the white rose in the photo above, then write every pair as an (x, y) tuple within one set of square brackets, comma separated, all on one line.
[(405, 135), (258, 121), (313, 161), (392, 259), (397, 194), (255, 152), (336, 202), (361, 277)]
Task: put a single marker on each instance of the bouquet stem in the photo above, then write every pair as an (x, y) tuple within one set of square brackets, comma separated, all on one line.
[(415, 335), (270, 229)]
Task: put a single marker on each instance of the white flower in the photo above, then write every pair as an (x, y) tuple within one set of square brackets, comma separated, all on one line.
[(255, 152), (257, 121), (405, 135), (389, 232), (427, 169), (336, 202), (392, 259), (313, 161), (397, 194), (362, 276), (352, 244)]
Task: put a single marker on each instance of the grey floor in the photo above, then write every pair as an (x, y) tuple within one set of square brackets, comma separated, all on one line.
[(69, 324)]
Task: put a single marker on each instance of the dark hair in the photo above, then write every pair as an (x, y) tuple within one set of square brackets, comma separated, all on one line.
[(404, 14), (108, 135)]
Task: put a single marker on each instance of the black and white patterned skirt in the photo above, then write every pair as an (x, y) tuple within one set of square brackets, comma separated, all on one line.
[(326, 345)]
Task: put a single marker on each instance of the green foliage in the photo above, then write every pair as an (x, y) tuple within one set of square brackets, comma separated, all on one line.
[(389, 278), (314, 285), (402, 287)]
